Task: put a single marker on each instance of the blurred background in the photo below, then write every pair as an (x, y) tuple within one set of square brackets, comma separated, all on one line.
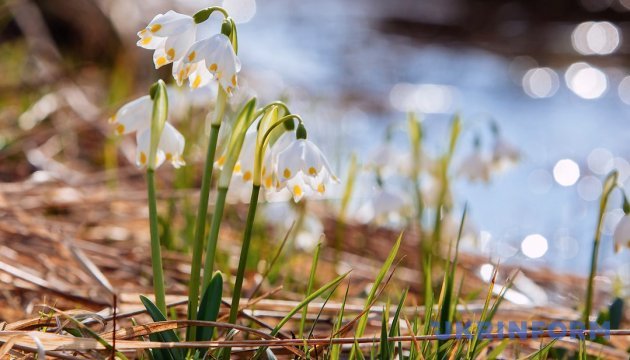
[(548, 80)]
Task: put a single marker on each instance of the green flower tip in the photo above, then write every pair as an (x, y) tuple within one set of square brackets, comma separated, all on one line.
[(202, 15), (226, 27), (300, 133), (157, 86)]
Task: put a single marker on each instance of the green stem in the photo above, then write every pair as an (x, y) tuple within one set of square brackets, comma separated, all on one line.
[(242, 261), (213, 237), (609, 184), (202, 212), (156, 255)]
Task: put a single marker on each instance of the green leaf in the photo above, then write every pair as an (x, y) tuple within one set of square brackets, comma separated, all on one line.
[(163, 336), (498, 350), (384, 343), (209, 306)]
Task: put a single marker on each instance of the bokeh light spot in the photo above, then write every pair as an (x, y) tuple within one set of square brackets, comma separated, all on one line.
[(586, 81), (540, 82), (534, 246), (566, 172)]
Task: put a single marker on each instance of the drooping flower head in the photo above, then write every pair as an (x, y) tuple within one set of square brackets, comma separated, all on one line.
[(196, 54), (302, 168), (135, 116), (210, 58), (170, 35)]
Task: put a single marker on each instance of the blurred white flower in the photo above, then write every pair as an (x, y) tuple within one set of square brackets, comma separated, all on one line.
[(505, 154), (381, 206), (209, 58), (303, 169), (170, 35), (621, 236), (475, 166), (135, 116)]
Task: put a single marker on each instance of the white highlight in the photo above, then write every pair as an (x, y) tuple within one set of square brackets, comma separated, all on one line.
[(534, 246), (540, 82), (566, 172), (595, 38), (586, 81)]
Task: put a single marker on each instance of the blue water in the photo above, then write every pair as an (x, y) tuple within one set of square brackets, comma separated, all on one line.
[(339, 70)]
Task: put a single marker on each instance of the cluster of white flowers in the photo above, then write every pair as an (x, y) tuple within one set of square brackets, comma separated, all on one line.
[(196, 54), (292, 167)]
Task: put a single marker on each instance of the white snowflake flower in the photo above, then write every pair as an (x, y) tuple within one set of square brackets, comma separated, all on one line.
[(170, 35), (302, 169), (170, 148), (210, 58)]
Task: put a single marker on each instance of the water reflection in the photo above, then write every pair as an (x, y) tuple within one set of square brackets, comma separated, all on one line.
[(586, 81), (540, 82), (566, 172), (595, 38)]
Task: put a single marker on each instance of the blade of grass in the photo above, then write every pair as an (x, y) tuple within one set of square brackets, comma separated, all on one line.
[(377, 282), (309, 288)]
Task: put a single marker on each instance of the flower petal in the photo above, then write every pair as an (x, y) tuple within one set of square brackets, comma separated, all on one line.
[(171, 23), (143, 140), (172, 144), (133, 116)]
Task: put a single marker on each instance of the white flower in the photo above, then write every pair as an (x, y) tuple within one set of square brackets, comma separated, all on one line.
[(621, 236), (170, 148), (383, 205), (135, 116), (245, 163), (475, 166), (209, 58), (505, 154), (170, 35), (303, 169)]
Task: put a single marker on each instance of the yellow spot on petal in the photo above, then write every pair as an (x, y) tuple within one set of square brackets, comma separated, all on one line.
[(287, 173), (120, 129), (297, 190), (213, 67), (169, 156), (312, 171), (143, 158), (170, 53), (237, 167), (142, 32), (161, 61), (268, 182), (146, 40), (191, 56), (197, 82), (264, 170), (181, 74), (155, 27), (234, 80), (321, 188), (221, 160), (247, 176), (112, 119), (229, 90)]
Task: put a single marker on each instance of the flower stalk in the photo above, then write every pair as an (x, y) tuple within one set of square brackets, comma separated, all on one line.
[(202, 211), (609, 186), (158, 119), (243, 121)]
